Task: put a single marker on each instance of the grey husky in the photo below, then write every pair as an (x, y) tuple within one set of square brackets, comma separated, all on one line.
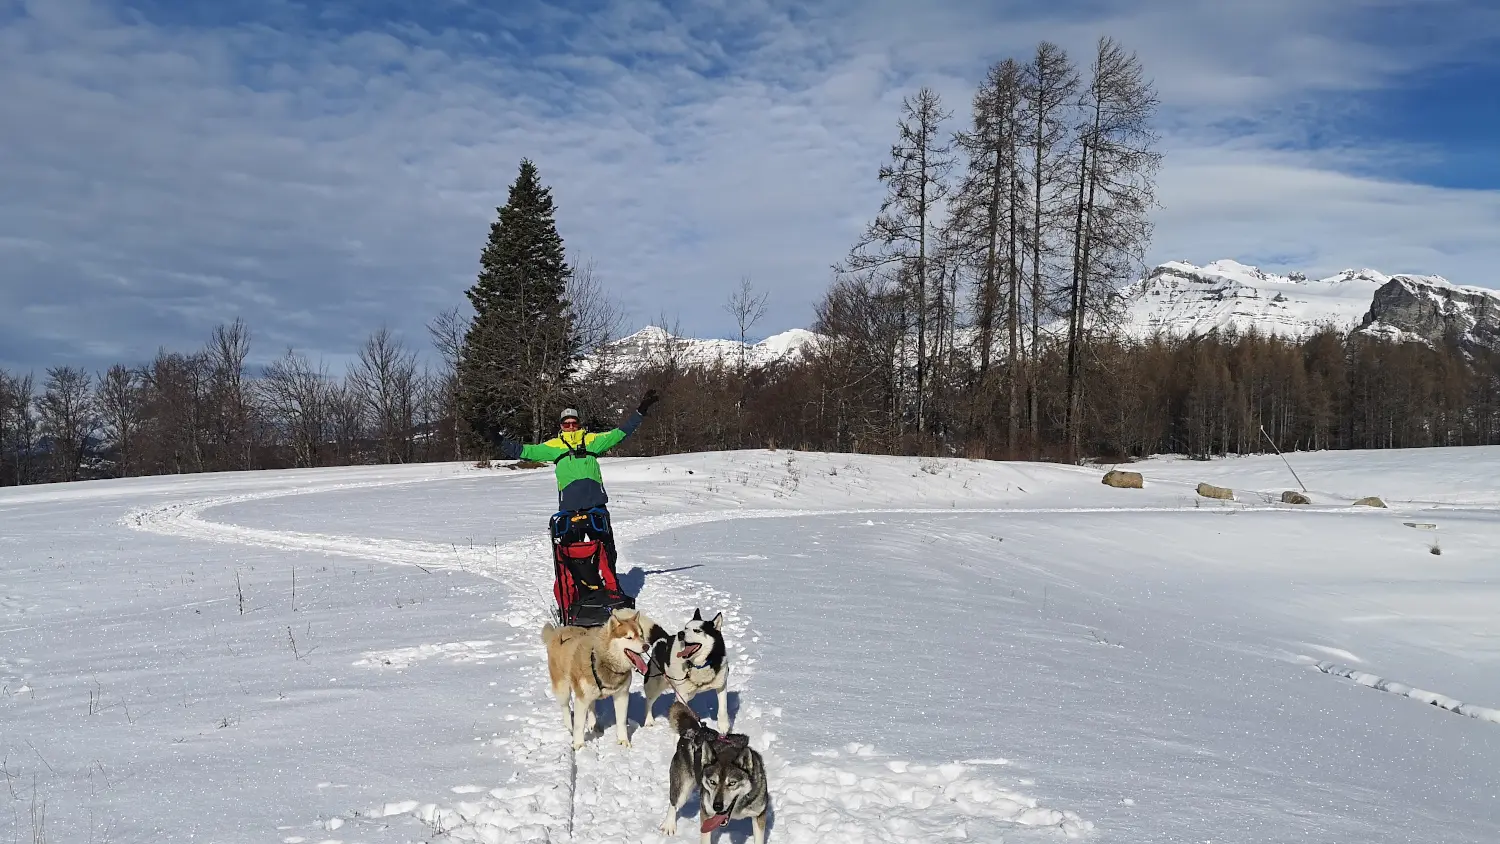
[(693, 660), (728, 774)]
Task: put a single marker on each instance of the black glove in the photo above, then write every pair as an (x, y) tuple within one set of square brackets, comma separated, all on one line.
[(487, 429), (646, 401)]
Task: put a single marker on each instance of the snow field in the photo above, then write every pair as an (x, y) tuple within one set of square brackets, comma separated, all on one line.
[(925, 650), (605, 792)]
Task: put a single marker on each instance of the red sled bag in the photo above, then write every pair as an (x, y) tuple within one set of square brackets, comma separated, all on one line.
[(585, 585)]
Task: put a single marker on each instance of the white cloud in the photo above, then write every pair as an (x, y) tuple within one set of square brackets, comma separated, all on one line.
[(155, 180), (1284, 210)]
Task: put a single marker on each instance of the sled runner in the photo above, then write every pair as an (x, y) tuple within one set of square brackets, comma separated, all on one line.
[(585, 586)]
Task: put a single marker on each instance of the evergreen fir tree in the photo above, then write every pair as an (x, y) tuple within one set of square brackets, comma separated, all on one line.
[(521, 346)]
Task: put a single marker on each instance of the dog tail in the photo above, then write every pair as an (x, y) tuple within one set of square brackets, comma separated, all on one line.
[(549, 634), (682, 718)]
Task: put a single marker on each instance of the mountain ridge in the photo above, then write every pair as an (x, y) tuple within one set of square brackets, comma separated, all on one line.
[(1178, 299)]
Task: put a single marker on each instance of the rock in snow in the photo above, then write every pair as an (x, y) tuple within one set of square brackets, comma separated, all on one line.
[(1218, 492), (1124, 480)]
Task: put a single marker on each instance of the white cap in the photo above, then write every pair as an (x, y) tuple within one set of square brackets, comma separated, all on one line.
[(569, 413)]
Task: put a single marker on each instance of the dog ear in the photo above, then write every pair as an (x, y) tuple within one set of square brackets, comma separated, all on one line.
[(733, 743), (719, 621), (697, 615)]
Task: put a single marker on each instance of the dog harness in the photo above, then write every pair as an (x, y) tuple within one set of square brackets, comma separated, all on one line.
[(594, 667), (684, 678)]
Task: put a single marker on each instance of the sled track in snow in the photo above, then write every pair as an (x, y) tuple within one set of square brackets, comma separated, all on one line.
[(609, 793), (1441, 701)]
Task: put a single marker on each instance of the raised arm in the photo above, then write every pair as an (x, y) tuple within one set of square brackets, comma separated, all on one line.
[(509, 448), (600, 443)]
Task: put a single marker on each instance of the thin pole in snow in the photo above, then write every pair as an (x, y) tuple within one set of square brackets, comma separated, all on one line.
[(1283, 457)]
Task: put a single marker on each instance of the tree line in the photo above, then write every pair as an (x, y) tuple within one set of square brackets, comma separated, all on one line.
[(1220, 394), (1223, 393), (205, 411)]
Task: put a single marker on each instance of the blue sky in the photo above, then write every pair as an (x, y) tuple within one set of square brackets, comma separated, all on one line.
[(322, 168)]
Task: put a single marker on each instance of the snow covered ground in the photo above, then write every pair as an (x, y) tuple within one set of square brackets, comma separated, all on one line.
[(926, 650)]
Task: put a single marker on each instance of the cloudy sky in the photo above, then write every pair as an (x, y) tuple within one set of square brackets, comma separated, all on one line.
[(321, 169)]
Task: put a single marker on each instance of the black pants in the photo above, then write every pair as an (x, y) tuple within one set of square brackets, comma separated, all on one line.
[(609, 540)]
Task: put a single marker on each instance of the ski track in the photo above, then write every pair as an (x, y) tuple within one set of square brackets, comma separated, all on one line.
[(609, 793), (1441, 701)]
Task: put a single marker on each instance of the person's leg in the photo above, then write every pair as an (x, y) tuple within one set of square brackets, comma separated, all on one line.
[(609, 542)]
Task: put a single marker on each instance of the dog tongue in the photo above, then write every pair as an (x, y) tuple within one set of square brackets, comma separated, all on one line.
[(713, 823), (687, 652), (635, 659)]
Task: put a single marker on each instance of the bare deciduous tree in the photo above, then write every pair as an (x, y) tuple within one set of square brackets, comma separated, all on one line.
[(747, 308), (178, 400), (121, 400), (384, 378), (18, 429), (1115, 181), (986, 226), (229, 396), (68, 418), (1049, 93), (298, 400), (903, 233), (447, 330), (347, 421)]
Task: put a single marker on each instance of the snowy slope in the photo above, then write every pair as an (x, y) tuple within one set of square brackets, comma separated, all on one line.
[(1179, 299), (926, 650), (653, 345)]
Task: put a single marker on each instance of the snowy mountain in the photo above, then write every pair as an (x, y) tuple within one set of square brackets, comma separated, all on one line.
[(1430, 309), (653, 345), (1178, 299)]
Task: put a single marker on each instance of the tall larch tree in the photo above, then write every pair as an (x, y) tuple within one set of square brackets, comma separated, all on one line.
[(1116, 191), (902, 240), (1049, 96), (987, 220)]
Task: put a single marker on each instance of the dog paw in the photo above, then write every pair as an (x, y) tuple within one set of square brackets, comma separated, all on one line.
[(624, 742), (669, 827), (577, 744)]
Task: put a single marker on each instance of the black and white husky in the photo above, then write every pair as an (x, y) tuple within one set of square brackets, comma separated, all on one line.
[(728, 774), (692, 661)]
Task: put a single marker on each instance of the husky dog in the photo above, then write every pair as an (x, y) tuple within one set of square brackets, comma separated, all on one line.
[(690, 662), (590, 663), (728, 774)]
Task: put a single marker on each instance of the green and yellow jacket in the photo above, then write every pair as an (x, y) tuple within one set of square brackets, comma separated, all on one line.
[(575, 456)]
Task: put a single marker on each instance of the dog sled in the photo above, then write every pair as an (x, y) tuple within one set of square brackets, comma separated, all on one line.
[(585, 585)]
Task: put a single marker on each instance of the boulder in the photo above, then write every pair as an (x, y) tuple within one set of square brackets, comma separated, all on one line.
[(1124, 480), (1370, 501), (1292, 496), (1211, 491)]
